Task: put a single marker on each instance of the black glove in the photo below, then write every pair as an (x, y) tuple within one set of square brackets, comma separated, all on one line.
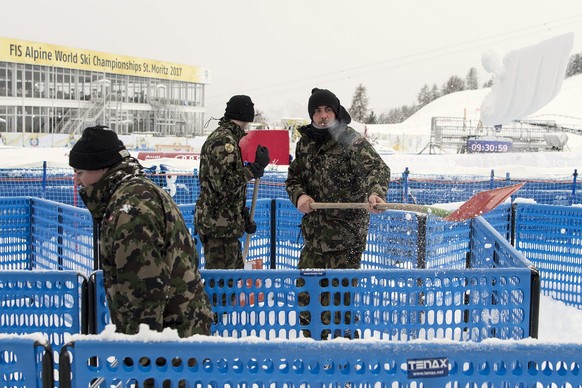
[(262, 159), (257, 170), (262, 156), (250, 226)]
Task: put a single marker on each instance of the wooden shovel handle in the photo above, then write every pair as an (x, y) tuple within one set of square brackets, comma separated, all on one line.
[(383, 206)]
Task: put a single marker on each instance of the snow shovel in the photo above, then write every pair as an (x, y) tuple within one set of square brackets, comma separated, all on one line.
[(477, 205), (483, 202), (256, 264), (251, 217)]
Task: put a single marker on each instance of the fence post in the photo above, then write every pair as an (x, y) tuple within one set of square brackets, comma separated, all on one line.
[(44, 179), (195, 186), (534, 308), (492, 180), (273, 233), (96, 256), (60, 254), (421, 243), (573, 197), (405, 185)]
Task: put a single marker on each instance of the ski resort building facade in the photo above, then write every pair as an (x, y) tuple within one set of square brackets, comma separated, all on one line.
[(49, 89)]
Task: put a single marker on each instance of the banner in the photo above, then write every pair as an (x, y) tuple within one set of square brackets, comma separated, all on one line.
[(172, 155), (21, 51)]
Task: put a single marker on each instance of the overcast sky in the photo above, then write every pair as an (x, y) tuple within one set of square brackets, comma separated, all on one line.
[(277, 51)]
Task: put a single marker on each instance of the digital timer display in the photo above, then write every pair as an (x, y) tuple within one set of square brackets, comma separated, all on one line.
[(482, 145)]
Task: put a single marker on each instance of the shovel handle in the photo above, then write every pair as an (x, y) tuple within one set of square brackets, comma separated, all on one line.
[(247, 245), (383, 206)]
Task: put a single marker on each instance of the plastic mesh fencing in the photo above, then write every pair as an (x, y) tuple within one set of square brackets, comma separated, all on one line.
[(61, 237), (24, 362), (15, 237), (393, 239), (52, 303), (57, 184), (395, 305), (219, 363), (398, 305), (551, 237)]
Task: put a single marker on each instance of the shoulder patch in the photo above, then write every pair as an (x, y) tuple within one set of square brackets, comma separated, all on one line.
[(229, 148)]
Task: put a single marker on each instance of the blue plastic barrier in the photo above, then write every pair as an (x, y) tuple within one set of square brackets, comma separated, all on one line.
[(57, 184), (551, 237), (15, 233), (49, 302), (200, 361), (25, 361), (61, 237), (403, 305)]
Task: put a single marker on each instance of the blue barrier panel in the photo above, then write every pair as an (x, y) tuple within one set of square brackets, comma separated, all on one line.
[(204, 361), (47, 302), (15, 233), (500, 219), (461, 305), (289, 240), (25, 361), (445, 189), (393, 238), (551, 237), (187, 210), (260, 242), (490, 250), (57, 184), (447, 243), (549, 192), (62, 236)]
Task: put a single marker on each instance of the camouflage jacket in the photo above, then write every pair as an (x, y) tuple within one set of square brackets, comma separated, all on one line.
[(148, 255), (342, 167), (223, 183)]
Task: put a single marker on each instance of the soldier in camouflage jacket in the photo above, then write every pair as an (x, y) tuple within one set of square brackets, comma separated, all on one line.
[(221, 217), (334, 163), (147, 254)]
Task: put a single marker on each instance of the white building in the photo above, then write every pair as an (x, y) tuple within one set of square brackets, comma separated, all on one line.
[(49, 89)]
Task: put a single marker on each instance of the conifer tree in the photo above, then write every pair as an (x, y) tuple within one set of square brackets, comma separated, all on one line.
[(359, 108)]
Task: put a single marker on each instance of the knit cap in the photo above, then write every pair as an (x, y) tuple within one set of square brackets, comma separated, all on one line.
[(98, 147), (240, 107)]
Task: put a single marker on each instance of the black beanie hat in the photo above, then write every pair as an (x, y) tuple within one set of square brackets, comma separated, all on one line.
[(240, 108), (97, 148), (321, 97)]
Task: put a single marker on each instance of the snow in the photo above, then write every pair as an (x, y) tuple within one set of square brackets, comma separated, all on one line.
[(558, 322), (534, 73)]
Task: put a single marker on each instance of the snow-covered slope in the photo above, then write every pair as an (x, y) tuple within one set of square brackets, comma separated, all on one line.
[(412, 135)]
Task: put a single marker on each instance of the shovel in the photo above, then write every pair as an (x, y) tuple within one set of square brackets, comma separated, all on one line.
[(251, 218), (477, 205)]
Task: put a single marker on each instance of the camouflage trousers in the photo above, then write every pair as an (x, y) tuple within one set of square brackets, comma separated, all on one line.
[(348, 259), (222, 253)]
